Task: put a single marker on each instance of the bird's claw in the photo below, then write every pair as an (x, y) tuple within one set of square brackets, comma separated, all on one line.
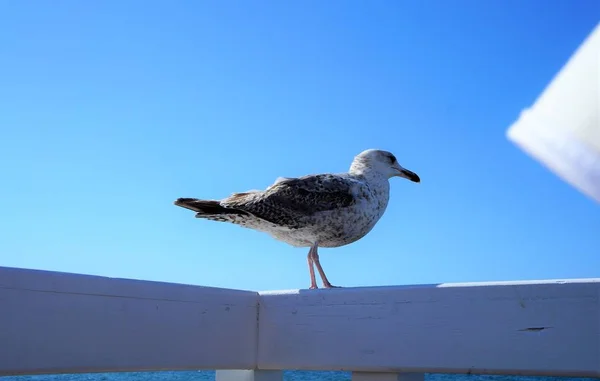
[(315, 287)]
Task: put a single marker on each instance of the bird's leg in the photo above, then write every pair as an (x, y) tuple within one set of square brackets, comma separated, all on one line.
[(311, 270), (315, 259)]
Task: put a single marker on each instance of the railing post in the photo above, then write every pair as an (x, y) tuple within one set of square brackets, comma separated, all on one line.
[(373, 376), (249, 375)]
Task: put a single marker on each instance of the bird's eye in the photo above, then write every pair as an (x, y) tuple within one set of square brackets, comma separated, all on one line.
[(392, 158)]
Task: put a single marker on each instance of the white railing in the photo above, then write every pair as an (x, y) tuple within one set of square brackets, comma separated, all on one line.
[(54, 322)]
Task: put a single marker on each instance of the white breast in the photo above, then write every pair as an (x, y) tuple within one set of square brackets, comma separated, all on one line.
[(374, 199)]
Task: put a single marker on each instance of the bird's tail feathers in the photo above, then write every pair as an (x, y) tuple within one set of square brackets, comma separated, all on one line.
[(206, 208)]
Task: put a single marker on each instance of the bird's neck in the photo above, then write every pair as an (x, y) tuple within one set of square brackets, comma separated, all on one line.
[(378, 182), (379, 186), (367, 173)]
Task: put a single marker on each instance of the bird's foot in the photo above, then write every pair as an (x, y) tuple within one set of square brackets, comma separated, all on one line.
[(326, 285)]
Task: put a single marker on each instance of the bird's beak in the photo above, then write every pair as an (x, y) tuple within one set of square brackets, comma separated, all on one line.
[(403, 172)]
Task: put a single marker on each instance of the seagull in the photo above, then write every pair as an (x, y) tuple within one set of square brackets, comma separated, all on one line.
[(319, 210)]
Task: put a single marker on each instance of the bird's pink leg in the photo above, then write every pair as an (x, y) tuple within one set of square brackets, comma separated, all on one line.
[(311, 270), (315, 259)]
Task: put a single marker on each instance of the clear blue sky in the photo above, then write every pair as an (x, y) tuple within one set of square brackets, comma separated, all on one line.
[(111, 110)]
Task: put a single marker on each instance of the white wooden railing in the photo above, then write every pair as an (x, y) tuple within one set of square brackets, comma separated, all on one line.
[(53, 322)]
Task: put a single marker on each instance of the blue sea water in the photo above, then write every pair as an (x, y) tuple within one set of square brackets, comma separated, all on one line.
[(288, 376)]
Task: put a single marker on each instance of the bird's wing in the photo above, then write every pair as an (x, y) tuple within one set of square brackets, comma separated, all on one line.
[(289, 201)]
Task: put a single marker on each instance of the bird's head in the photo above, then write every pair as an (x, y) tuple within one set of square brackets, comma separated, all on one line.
[(381, 162)]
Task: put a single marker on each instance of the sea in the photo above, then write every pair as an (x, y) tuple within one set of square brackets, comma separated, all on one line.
[(287, 376)]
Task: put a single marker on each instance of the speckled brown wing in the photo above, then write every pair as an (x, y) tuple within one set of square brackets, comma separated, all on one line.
[(292, 202)]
